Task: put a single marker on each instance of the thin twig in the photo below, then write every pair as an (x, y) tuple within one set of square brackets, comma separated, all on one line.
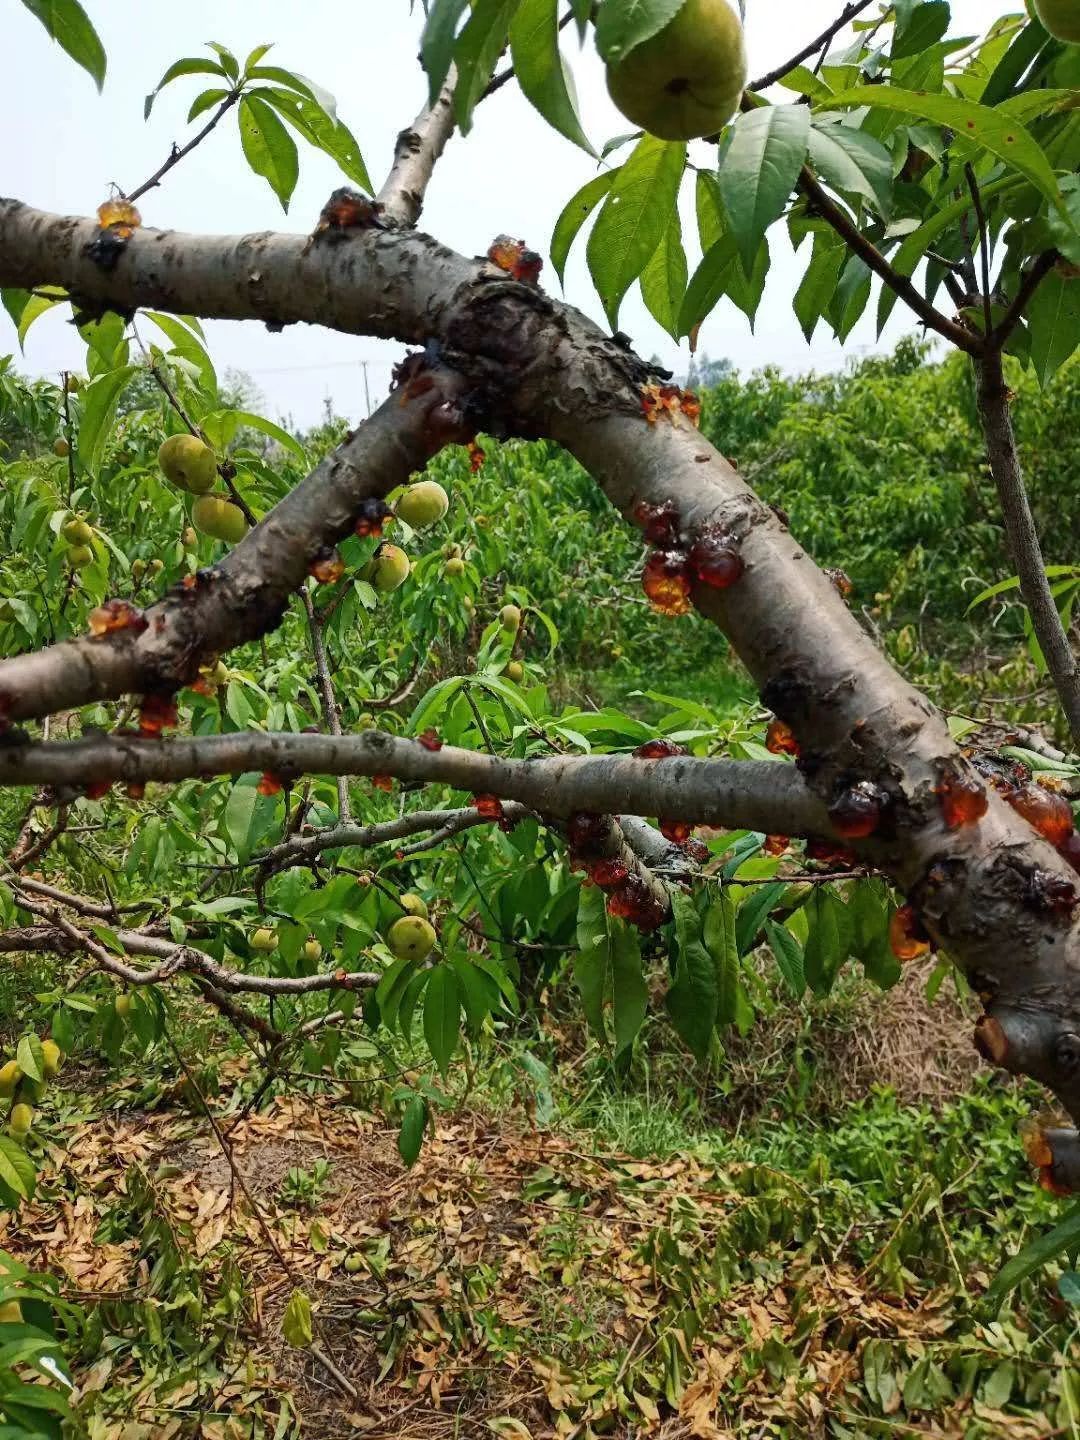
[(984, 246), (1015, 313), (850, 12), (331, 714), (178, 152)]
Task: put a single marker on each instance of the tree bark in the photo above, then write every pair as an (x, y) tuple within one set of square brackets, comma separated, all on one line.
[(537, 367), (1023, 538)]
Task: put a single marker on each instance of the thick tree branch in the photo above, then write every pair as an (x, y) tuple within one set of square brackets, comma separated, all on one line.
[(1024, 547), (730, 793), (415, 156), (980, 888), (392, 283), (245, 594)]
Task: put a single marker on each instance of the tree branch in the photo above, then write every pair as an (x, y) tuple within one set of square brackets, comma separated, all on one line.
[(1016, 311), (177, 153), (415, 156), (849, 13), (732, 793), (245, 594), (331, 713), (868, 252), (306, 849), (1024, 547)]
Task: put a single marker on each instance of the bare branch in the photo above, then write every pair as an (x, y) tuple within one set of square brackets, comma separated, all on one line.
[(856, 7), (1027, 556), (177, 153), (245, 594), (306, 849), (732, 793), (415, 156), (184, 960)]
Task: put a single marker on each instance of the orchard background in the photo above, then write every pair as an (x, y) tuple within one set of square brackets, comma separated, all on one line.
[(471, 965)]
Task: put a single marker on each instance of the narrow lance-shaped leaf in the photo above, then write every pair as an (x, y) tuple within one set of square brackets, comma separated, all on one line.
[(1053, 316), (541, 69), (69, 25), (635, 216), (853, 162), (663, 281), (442, 1015), (577, 211), (437, 42), (268, 147), (630, 995), (758, 171), (478, 48), (980, 125), (693, 999), (411, 1134)]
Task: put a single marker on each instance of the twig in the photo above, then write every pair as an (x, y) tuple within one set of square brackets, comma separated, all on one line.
[(1015, 313), (178, 152), (868, 252), (856, 7), (1027, 557)]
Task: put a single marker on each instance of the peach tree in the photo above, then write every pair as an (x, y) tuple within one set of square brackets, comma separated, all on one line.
[(339, 838)]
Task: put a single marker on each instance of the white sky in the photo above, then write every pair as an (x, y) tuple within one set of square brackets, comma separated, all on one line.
[(64, 143)]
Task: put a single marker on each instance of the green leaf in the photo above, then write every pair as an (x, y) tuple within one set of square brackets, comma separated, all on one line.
[(758, 171), (478, 48), (977, 124), (718, 934), (1063, 1238), (663, 281), (268, 147), (709, 209), (229, 62), (854, 163), (788, 954), (191, 65), (296, 1322), (100, 399), (33, 307), (68, 24), (574, 216), (851, 297), (752, 912), (437, 42), (1053, 317), (187, 345), (28, 1054), (311, 120), (413, 1125), (630, 994), (635, 218), (924, 27), (693, 999), (541, 70), (442, 1015), (17, 1170), (244, 817), (623, 24), (591, 966), (826, 947), (221, 427), (818, 285)]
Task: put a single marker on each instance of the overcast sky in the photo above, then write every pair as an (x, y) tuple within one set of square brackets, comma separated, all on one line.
[(65, 143)]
